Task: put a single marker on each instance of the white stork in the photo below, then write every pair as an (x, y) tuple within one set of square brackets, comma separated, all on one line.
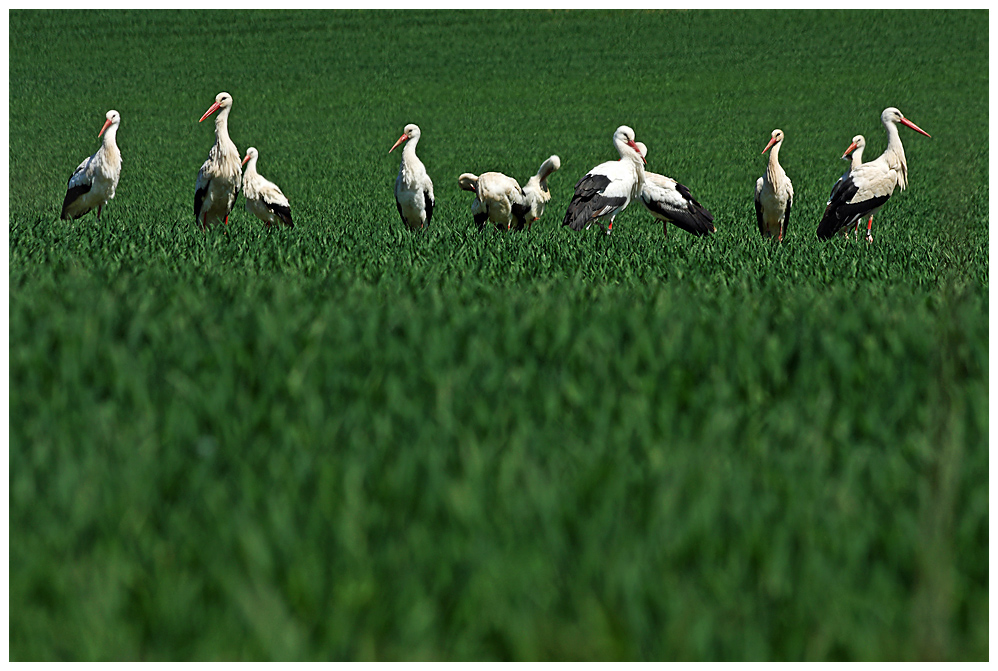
[(93, 183), (413, 187), (670, 201), (865, 190), (221, 175), (263, 197), (608, 188), (500, 199), (856, 160), (774, 194)]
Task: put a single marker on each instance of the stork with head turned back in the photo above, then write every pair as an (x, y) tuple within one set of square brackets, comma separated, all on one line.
[(221, 175), (774, 194), (264, 198), (92, 184), (671, 202), (867, 187), (413, 187), (500, 199), (607, 189)]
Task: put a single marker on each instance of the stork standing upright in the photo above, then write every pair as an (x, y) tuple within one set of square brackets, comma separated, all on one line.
[(92, 184), (413, 187), (670, 201), (264, 198), (607, 189), (774, 194), (500, 198), (865, 190), (856, 160), (221, 175)]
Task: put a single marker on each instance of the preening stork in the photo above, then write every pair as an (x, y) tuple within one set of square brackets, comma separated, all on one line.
[(774, 194), (221, 175), (263, 197), (500, 199), (608, 188), (92, 184), (856, 159), (865, 190), (671, 202), (413, 187)]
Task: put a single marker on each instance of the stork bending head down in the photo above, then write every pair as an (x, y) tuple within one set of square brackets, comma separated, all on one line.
[(220, 176), (867, 187), (413, 187), (93, 182), (607, 189), (500, 198), (671, 202)]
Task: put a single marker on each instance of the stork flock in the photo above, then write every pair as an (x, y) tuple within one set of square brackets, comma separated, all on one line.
[(600, 195)]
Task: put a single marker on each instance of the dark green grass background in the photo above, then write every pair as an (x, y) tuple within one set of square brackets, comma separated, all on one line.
[(348, 441)]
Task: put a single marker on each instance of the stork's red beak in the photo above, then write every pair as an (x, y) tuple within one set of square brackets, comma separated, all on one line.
[(106, 124), (849, 150), (772, 141), (633, 146), (245, 159), (398, 142), (914, 127), (211, 110)]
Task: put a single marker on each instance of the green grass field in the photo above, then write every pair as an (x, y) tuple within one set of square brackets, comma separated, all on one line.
[(352, 442)]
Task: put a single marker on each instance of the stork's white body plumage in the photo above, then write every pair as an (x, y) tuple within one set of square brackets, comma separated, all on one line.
[(264, 198), (94, 181), (774, 193), (500, 199), (496, 197), (671, 202), (413, 187), (220, 177), (607, 189), (867, 187)]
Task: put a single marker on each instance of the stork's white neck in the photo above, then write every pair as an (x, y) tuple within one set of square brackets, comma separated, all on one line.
[(110, 136), (250, 167), (894, 154), (222, 139), (773, 168), (409, 150), (857, 158)]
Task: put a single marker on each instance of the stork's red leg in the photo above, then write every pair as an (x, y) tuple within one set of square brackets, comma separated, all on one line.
[(99, 208), (869, 227)]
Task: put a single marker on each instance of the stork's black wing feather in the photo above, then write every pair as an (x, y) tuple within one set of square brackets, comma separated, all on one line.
[(199, 196), (588, 200), (283, 212), (786, 218), (71, 195), (840, 212), (428, 204), (398, 206), (758, 212)]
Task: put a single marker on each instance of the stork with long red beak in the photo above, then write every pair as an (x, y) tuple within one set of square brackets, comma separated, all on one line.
[(608, 188), (92, 184), (854, 153), (220, 177), (774, 194), (264, 198), (413, 187), (865, 190), (671, 202)]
